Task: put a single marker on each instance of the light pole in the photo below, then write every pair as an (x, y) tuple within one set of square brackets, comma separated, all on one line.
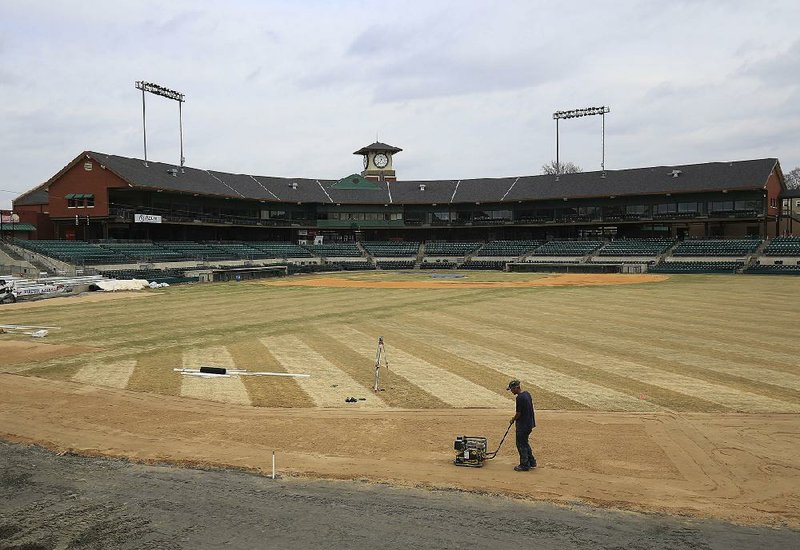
[(576, 113), (169, 94)]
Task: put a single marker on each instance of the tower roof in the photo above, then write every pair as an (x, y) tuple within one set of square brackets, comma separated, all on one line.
[(378, 146)]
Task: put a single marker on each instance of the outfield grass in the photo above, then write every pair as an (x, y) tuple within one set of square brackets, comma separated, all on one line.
[(692, 343)]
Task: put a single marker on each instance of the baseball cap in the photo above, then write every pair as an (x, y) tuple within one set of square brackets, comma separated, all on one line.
[(513, 384)]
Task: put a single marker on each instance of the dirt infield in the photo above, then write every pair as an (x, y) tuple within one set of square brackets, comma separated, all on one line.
[(571, 279), (735, 467)]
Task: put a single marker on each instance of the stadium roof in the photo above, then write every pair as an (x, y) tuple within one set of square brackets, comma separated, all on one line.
[(37, 195), (689, 178)]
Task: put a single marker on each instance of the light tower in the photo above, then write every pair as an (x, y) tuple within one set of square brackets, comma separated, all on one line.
[(169, 94), (576, 113)]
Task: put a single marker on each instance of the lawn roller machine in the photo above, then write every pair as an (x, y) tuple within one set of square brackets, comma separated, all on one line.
[(471, 450)]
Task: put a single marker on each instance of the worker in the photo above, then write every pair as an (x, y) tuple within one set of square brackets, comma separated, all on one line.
[(525, 418)]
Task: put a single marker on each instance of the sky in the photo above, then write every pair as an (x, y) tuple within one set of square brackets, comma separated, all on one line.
[(466, 88)]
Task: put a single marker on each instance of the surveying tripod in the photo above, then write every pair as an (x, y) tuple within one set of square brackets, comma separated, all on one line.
[(380, 354)]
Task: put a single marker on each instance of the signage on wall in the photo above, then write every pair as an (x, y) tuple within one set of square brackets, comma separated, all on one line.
[(146, 218)]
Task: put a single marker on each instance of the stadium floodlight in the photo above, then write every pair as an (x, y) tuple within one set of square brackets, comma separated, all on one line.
[(577, 113), (156, 89)]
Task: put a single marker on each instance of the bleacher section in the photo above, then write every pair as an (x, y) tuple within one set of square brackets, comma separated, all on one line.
[(567, 248), (636, 247), (196, 251), (391, 249), (280, 249), (143, 252), (337, 250), (441, 248), (507, 248), (783, 246), (717, 247), (696, 267), (73, 252)]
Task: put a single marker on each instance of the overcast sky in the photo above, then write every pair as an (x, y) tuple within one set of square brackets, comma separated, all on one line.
[(465, 88)]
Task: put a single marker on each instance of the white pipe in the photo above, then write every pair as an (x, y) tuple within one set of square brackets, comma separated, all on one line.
[(273, 464), (274, 374)]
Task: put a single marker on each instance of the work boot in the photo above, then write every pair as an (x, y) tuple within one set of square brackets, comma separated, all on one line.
[(521, 469)]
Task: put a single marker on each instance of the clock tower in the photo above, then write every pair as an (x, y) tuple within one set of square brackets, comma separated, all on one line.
[(378, 161)]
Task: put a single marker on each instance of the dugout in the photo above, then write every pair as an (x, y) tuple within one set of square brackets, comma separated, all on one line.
[(238, 273)]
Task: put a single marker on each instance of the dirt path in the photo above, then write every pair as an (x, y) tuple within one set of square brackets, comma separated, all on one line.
[(735, 467), (572, 279)]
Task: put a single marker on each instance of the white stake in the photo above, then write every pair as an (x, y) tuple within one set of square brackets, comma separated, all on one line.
[(273, 464)]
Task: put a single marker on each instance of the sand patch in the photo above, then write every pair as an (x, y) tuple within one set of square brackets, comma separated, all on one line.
[(113, 375), (570, 279)]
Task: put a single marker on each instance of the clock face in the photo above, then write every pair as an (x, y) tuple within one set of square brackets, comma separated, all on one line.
[(366, 161), (381, 160)]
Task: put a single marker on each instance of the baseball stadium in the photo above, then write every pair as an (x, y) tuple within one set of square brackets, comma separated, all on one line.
[(351, 328)]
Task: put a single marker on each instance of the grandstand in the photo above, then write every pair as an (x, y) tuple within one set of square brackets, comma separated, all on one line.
[(661, 255), (103, 210)]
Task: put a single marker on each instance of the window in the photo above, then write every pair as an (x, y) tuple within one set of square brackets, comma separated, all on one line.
[(688, 207), (666, 208), (89, 201), (720, 206)]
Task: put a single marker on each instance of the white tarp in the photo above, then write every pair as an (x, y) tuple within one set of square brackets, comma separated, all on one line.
[(111, 285)]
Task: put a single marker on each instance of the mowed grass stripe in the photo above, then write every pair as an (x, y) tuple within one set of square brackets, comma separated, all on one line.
[(225, 390), (328, 385), (608, 382), (113, 375), (399, 392), (154, 374), (450, 388), (266, 391), (578, 389), (679, 359), (482, 375), (717, 315), (684, 332), (582, 353)]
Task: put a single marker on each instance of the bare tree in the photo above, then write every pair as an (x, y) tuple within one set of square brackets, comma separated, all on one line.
[(793, 178), (552, 168)]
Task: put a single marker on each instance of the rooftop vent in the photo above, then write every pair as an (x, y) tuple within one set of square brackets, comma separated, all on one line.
[(422, 187), (293, 185), (675, 173), (173, 171)]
